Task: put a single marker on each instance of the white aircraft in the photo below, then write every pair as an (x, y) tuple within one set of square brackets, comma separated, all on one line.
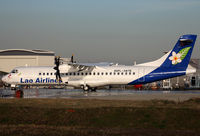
[(90, 76)]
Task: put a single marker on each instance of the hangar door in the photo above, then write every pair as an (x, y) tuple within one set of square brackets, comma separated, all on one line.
[(7, 64)]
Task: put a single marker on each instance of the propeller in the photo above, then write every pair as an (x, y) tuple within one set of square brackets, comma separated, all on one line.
[(57, 62)]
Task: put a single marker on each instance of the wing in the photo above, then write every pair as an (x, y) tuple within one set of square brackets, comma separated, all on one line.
[(82, 67), (88, 66)]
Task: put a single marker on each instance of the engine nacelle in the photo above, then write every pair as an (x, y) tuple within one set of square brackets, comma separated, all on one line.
[(65, 68), (77, 83), (90, 83)]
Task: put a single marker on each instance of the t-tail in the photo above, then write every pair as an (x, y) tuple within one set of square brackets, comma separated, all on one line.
[(173, 64)]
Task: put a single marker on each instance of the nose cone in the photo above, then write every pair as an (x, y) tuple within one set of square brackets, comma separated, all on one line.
[(4, 79)]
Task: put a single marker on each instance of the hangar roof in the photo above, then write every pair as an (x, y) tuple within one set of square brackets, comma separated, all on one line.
[(26, 52)]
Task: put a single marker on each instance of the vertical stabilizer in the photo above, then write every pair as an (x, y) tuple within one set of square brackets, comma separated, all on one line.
[(180, 56)]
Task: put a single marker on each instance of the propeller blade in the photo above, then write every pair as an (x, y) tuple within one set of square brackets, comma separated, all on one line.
[(72, 58), (57, 62)]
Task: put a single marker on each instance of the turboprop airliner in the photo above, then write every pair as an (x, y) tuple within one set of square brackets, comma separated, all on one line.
[(91, 76)]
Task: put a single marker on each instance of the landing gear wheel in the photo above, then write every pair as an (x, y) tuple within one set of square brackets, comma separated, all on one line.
[(85, 88), (93, 89)]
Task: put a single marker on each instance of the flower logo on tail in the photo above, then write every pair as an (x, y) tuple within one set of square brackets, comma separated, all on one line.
[(177, 58)]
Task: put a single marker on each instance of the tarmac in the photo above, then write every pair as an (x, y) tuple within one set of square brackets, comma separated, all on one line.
[(104, 94)]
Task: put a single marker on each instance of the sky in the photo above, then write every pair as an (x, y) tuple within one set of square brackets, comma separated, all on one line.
[(120, 31)]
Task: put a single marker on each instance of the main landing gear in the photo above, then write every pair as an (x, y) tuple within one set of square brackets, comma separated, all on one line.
[(87, 88)]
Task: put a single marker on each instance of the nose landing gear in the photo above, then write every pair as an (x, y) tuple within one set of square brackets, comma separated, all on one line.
[(94, 89)]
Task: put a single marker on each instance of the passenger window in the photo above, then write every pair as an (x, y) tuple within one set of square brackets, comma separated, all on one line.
[(133, 73), (122, 73), (125, 73), (110, 73), (94, 73), (66, 74), (86, 73), (90, 73), (129, 73), (98, 73), (102, 73), (70, 74), (74, 73), (43, 74), (51, 73), (117, 73), (113, 73), (78, 74), (47, 74), (40, 74), (82, 73), (106, 73)]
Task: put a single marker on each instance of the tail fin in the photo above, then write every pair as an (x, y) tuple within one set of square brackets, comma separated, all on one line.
[(180, 56), (172, 64)]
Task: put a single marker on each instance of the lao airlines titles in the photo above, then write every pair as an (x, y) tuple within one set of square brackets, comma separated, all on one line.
[(38, 80)]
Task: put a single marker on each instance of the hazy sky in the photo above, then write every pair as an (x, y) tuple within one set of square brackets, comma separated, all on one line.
[(121, 31)]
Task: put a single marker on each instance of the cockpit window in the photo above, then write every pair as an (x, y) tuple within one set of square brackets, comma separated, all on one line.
[(14, 71)]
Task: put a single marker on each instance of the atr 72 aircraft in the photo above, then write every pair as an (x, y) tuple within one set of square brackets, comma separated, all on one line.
[(89, 77)]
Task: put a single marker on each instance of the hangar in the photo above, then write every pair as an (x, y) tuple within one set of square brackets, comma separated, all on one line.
[(11, 58)]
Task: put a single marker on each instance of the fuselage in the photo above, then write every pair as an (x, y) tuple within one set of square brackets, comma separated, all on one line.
[(99, 76)]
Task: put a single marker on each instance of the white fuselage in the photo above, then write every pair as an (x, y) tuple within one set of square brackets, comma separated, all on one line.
[(107, 75), (98, 76), (31, 76)]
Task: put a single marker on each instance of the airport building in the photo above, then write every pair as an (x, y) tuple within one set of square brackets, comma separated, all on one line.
[(190, 81), (11, 58)]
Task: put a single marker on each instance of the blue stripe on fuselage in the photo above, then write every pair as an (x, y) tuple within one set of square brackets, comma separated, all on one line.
[(158, 74)]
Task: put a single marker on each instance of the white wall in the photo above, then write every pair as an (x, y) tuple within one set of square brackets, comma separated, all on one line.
[(45, 60), (7, 63)]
